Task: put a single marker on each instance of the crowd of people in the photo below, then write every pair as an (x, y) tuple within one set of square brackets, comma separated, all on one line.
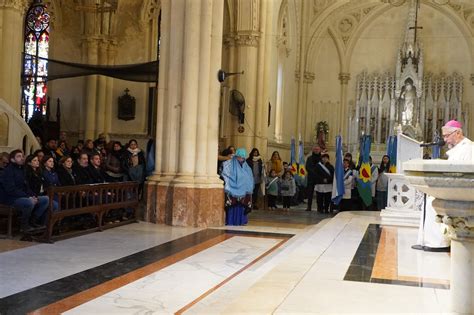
[(249, 178), (24, 180)]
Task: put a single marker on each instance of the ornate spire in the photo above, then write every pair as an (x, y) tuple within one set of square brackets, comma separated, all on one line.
[(410, 56)]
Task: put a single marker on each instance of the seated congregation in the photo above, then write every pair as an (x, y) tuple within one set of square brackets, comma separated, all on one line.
[(62, 188)]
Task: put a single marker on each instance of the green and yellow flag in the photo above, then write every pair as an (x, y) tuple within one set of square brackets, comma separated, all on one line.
[(365, 172)]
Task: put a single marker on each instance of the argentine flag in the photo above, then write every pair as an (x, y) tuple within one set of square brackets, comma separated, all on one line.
[(338, 182)]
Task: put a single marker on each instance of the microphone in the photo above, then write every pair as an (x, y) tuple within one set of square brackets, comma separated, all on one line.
[(440, 143)]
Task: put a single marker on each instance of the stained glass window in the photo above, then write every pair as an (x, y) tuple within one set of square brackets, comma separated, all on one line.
[(35, 70)]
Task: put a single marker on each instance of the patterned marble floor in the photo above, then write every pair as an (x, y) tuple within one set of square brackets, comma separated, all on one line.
[(308, 263)]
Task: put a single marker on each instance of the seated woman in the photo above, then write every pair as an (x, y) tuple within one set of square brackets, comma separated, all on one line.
[(49, 174), (238, 188), (66, 175)]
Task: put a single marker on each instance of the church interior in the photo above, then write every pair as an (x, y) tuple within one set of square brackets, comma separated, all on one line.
[(186, 79)]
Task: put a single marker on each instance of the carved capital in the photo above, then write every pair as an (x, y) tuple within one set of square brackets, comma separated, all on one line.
[(242, 38), (20, 5), (457, 227), (344, 77), (308, 77)]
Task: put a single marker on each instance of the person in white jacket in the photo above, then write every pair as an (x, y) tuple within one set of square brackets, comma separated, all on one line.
[(346, 203), (430, 236)]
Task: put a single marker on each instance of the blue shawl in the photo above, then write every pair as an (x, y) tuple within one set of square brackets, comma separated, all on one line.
[(238, 178)]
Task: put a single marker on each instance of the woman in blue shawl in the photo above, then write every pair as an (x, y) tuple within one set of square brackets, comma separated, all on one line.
[(239, 185)]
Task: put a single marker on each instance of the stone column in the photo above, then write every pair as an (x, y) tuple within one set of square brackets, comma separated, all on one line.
[(246, 42), (11, 47), (101, 89), (91, 48), (109, 101), (185, 189), (344, 77), (301, 105), (308, 78), (264, 66)]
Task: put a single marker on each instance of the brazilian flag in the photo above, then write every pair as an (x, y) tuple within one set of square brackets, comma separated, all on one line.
[(365, 173)]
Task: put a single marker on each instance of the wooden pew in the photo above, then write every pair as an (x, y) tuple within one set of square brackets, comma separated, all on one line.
[(8, 212), (95, 199)]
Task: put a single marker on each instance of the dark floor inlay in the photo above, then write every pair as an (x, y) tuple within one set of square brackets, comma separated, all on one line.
[(363, 262), (364, 258), (35, 298), (259, 234), (46, 294)]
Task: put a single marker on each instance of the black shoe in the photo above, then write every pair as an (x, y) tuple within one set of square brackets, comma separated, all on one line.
[(437, 249), (417, 247)]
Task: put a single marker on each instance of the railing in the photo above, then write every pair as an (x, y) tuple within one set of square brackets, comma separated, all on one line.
[(95, 199)]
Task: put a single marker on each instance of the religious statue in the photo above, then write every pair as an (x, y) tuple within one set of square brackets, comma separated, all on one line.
[(408, 96), (322, 131)]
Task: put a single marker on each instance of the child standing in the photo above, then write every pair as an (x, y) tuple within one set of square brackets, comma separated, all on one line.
[(272, 189), (288, 189)]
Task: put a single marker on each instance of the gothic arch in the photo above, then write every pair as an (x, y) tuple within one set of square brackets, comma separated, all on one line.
[(286, 26), (364, 25), (313, 50), (54, 9), (317, 27), (320, 25)]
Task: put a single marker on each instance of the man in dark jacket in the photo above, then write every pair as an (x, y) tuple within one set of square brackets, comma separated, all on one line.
[(81, 169), (311, 165), (17, 194), (95, 170), (325, 175)]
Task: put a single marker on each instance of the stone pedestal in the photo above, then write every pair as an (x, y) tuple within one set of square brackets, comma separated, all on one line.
[(451, 183), (184, 206)]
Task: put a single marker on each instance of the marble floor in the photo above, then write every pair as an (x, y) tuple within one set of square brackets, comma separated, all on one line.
[(280, 263)]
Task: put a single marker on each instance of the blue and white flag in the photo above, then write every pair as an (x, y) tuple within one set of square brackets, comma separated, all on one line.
[(338, 182)]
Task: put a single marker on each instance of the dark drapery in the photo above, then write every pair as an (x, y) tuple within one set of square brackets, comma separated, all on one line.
[(140, 72)]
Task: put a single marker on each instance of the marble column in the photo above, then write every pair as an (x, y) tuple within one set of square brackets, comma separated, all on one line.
[(344, 77), (185, 189), (11, 47)]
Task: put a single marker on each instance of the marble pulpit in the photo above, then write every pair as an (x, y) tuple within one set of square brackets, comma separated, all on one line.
[(452, 183)]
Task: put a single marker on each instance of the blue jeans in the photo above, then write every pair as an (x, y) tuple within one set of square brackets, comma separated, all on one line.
[(29, 210)]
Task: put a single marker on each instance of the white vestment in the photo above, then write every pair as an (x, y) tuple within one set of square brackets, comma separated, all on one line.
[(430, 232)]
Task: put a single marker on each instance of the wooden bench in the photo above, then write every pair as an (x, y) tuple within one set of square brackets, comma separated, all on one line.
[(9, 212), (95, 199)]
